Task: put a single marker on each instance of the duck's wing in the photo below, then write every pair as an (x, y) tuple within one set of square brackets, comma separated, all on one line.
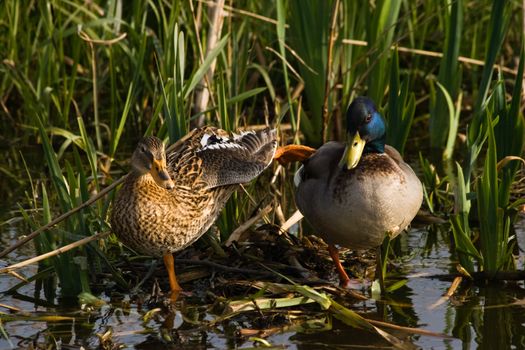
[(394, 154), (396, 157), (213, 158), (322, 164)]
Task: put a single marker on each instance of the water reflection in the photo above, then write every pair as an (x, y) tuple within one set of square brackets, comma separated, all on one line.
[(491, 316), (478, 316), (342, 336)]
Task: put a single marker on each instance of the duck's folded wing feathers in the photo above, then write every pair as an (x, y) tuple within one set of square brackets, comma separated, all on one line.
[(237, 159), (393, 153)]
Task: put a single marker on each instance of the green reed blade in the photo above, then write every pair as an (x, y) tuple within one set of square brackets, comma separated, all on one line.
[(499, 21), (380, 34), (453, 121), (245, 95), (54, 169), (224, 120), (460, 221), (490, 218), (401, 108), (510, 132), (267, 79), (354, 19), (117, 132), (89, 148), (308, 36), (449, 77), (204, 67), (281, 39)]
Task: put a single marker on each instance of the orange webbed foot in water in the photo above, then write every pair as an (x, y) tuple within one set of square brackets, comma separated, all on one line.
[(293, 153), (344, 280), (343, 277), (174, 285)]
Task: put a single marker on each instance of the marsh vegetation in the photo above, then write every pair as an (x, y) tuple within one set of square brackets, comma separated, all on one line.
[(82, 81)]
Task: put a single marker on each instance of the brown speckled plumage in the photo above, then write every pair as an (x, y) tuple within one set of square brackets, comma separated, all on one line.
[(205, 170)]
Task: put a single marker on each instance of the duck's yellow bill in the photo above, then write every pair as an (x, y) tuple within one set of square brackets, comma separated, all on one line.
[(353, 151), (159, 172)]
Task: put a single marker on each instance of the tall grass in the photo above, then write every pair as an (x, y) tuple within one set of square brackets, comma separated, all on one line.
[(85, 80), (492, 199), (449, 74), (380, 32), (71, 186), (308, 36), (499, 21), (401, 108)]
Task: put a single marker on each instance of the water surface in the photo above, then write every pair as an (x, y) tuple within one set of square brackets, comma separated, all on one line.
[(477, 316)]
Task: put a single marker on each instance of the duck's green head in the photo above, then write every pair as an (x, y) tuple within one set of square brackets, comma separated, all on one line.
[(365, 130)]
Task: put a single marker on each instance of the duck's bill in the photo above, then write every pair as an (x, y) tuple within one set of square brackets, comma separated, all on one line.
[(159, 172), (353, 151)]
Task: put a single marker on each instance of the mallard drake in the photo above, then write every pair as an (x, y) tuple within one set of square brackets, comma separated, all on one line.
[(355, 193), (169, 200)]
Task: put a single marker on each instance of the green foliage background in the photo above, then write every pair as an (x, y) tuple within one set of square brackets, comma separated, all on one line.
[(83, 81)]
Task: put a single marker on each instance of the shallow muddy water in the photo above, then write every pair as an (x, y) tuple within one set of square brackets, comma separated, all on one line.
[(477, 316)]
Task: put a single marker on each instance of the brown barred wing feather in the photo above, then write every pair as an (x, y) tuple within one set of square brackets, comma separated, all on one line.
[(237, 159)]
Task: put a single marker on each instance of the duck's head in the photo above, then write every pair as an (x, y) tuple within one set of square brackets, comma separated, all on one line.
[(365, 131), (150, 157)]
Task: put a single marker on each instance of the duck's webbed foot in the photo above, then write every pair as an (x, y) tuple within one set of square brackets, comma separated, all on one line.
[(345, 281), (293, 153)]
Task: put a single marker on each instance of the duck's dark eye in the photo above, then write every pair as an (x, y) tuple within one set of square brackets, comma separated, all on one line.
[(368, 118)]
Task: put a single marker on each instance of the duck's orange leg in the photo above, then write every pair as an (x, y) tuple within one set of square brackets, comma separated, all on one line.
[(343, 277), (292, 153), (170, 266)]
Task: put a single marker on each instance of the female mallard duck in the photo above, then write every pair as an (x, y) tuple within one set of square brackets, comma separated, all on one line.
[(356, 192), (168, 201)]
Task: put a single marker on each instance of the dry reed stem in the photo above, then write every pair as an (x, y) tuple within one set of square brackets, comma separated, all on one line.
[(55, 252), (364, 43), (297, 75), (244, 226), (427, 53), (202, 96), (19, 276), (224, 267), (62, 217), (276, 174), (507, 159), (84, 36), (407, 329), (87, 203), (454, 286), (451, 290), (233, 10), (295, 218), (327, 89), (11, 308)]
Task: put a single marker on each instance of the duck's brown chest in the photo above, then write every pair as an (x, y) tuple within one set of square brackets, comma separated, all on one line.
[(155, 221)]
